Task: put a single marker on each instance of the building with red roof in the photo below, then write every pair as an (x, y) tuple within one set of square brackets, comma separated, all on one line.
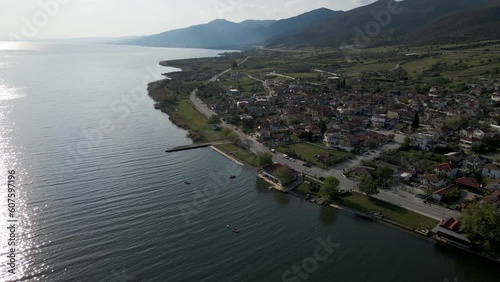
[(445, 168), (448, 231), (468, 183), (439, 194)]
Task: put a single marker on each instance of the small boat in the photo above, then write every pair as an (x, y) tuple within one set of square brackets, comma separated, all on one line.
[(187, 182), (232, 177), (236, 230)]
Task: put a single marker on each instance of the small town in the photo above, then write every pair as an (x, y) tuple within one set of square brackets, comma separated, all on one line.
[(357, 141)]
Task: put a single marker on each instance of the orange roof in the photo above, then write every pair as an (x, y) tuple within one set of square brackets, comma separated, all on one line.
[(469, 182), (444, 190)]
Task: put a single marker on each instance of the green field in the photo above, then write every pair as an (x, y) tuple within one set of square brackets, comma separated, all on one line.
[(186, 112), (398, 214), (306, 152), (197, 121)]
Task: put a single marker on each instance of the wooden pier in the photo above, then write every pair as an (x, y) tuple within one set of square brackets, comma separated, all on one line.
[(188, 147)]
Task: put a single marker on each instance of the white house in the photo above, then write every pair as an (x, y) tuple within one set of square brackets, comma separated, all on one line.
[(424, 141), (491, 171), (332, 138)]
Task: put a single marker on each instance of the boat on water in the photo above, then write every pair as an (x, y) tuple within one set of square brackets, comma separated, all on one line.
[(187, 182), (232, 177), (236, 230)]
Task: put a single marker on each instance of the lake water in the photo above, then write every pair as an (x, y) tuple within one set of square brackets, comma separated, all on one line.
[(97, 199)]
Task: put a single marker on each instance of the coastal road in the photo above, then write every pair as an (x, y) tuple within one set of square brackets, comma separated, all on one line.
[(414, 203), (255, 146)]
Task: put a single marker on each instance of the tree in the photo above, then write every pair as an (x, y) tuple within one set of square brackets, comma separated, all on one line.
[(322, 126), (406, 143), (416, 121), (481, 224), (264, 159), (214, 119), (329, 188), (455, 123), (383, 176), (367, 185), (284, 175)]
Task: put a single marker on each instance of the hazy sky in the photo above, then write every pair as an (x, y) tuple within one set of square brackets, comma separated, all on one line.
[(39, 19)]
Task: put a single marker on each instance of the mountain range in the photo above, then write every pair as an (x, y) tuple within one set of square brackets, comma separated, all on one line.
[(384, 22)]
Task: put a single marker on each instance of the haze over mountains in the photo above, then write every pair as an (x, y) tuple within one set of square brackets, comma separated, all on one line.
[(409, 21)]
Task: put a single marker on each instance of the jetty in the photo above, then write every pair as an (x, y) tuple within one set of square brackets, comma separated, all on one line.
[(188, 147), (195, 146)]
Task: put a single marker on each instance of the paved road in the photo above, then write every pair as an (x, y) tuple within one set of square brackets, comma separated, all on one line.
[(255, 146), (414, 203)]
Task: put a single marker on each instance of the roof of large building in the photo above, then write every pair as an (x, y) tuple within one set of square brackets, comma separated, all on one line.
[(469, 182)]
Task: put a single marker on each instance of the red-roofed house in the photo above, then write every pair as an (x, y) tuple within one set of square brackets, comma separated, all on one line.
[(432, 180), (451, 224), (493, 199), (468, 183), (446, 168), (448, 231), (491, 171), (439, 194)]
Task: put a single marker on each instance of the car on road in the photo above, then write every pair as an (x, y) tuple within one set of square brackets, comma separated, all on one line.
[(285, 156), (307, 164), (273, 151)]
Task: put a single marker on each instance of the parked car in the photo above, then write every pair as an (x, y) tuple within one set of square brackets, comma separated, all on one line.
[(307, 164)]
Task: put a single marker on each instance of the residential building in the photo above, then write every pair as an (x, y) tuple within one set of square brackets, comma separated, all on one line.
[(440, 193), (491, 171), (270, 171), (446, 169), (493, 199), (448, 231), (433, 181), (468, 183), (363, 171)]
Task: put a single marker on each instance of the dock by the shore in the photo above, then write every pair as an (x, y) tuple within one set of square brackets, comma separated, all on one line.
[(188, 147)]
